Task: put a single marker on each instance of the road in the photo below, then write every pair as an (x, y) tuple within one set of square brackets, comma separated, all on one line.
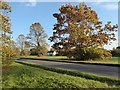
[(95, 69)]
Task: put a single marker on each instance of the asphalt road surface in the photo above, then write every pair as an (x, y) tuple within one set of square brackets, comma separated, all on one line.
[(95, 69)]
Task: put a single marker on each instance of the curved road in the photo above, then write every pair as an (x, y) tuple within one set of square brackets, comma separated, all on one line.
[(95, 69)]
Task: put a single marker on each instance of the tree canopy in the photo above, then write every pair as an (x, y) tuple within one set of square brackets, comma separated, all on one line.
[(37, 37), (79, 31), (23, 45), (116, 52)]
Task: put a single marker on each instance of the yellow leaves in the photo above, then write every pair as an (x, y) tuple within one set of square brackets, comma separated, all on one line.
[(8, 51), (83, 26), (5, 6), (72, 26), (73, 12), (81, 12), (5, 20), (62, 9)]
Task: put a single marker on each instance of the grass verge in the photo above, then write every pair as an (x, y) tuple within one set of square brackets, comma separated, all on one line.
[(24, 76), (108, 80)]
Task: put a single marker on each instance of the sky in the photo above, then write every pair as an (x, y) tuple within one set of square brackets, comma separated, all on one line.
[(24, 14)]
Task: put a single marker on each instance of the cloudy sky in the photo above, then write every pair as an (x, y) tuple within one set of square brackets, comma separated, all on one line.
[(25, 13)]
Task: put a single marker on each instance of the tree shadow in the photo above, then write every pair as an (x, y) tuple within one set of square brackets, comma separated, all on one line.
[(7, 69)]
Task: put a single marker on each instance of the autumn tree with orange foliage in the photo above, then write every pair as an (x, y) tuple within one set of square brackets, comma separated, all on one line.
[(80, 34)]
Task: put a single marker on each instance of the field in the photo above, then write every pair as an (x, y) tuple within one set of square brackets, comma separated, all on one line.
[(113, 60), (22, 76)]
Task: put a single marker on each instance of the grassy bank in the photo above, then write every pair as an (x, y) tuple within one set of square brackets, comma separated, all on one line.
[(23, 76), (114, 61)]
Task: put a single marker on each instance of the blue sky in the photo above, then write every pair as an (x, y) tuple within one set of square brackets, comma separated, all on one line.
[(24, 14)]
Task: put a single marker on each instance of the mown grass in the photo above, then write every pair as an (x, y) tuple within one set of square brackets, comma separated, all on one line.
[(46, 57), (23, 76), (113, 60), (110, 61)]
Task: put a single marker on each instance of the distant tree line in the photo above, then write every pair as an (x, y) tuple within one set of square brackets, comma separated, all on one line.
[(116, 52)]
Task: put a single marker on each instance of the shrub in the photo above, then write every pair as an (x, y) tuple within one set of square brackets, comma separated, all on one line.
[(115, 52), (42, 51), (89, 53), (8, 55), (39, 51), (33, 51)]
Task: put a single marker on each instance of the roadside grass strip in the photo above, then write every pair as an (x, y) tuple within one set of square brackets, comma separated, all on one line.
[(25, 76), (109, 80)]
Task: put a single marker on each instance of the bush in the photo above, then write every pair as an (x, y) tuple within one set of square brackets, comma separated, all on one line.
[(42, 51), (39, 51), (26, 52), (33, 51), (115, 52), (8, 55), (89, 53)]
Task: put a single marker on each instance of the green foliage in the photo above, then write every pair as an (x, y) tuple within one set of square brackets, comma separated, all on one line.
[(29, 77), (39, 51), (42, 51), (9, 54), (79, 27), (116, 52), (33, 52), (90, 53), (25, 52)]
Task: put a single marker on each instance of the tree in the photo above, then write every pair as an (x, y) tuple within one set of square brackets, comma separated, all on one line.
[(37, 37), (6, 43), (116, 52), (118, 47), (33, 51), (78, 31), (9, 53), (27, 48), (23, 45), (43, 51), (5, 24)]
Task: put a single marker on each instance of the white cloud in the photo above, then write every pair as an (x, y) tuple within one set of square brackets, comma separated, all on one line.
[(107, 5), (31, 3), (99, 1), (112, 6)]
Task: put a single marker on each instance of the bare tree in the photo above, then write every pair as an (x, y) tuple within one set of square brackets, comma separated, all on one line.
[(21, 43)]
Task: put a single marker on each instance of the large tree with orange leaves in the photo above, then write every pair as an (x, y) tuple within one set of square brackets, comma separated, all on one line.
[(79, 31)]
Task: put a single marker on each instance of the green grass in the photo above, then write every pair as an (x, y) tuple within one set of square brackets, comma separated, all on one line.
[(23, 76), (46, 57), (113, 60)]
